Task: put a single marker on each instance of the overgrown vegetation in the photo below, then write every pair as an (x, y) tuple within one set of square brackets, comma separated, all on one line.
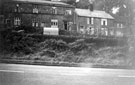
[(19, 45), (18, 42)]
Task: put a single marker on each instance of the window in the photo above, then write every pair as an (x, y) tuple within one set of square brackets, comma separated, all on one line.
[(106, 32), (54, 10), (35, 23), (70, 25), (91, 31), (104, 22), (68, 12), (35, 9), (82, 29), (90, 20), (111, 32), (119, 34), (17, 21), (43, 24), (54, 23), (119, 25), (102, 31)]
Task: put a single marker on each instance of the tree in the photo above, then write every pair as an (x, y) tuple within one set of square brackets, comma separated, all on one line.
[(71, 2), (82, 4)]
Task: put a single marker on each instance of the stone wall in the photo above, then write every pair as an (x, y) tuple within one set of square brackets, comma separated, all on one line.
[(44, 15)]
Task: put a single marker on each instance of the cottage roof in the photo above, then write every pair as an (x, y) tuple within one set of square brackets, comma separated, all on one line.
[(44, 2), (121, 19), (95, 13)]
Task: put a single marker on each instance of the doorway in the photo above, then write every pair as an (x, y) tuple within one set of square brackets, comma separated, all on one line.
[(65, 25)]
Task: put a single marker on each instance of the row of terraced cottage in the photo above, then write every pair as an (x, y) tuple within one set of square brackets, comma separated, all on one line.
[(52, 16)]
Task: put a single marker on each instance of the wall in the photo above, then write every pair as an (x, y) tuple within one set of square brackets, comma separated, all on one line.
[(44, 14), (82, 21), (122, 30)]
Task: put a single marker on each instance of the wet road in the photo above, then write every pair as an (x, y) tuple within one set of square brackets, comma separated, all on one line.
[(12, 74)]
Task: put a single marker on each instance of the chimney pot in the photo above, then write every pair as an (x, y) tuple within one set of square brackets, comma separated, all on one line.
[(91, 7)]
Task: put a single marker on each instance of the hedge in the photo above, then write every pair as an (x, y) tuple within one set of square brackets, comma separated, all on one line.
[(98, 41)]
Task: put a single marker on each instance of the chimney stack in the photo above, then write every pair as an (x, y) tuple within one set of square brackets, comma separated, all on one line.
[(91, 6)]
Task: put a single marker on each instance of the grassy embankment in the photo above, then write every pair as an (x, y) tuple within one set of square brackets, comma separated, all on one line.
[(24, 47)]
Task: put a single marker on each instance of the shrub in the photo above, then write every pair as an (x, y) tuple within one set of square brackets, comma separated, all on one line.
[(79, 45), (70, 33), (57, 45), (111, 52), (26, 29), (49, 53), (19, 42)]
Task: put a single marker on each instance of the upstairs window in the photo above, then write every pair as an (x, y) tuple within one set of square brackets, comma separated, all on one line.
[(104, 22), (119, 25), (54, 23), (17, 21), (90, 20), (54, 10), (68, 12), (35, 9)]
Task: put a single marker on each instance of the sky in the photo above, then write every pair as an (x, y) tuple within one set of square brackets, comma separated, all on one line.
[(77, 0), (115, 10)]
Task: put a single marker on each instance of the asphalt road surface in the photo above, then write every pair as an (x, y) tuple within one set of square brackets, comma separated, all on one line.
[(12, 74)]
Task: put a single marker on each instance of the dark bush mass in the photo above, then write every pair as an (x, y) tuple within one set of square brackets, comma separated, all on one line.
[(62, 48), (79, 45), (19, 42), (52, 44)]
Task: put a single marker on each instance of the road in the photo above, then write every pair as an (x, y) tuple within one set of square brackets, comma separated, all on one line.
[(12, 74)]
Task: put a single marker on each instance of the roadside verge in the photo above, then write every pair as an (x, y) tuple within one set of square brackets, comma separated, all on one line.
[(64, 64)]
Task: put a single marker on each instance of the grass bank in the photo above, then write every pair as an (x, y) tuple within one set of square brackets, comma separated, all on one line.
[(24, 48)]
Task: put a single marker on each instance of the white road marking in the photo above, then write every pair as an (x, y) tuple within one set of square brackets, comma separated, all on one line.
[(122, 76), (11, 71)]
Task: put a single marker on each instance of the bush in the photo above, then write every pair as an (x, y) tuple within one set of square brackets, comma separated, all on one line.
[(42, 38), (70, 33), (26, 29), (111, 52), (19, 42), (49, 53), (79, 45), (52, 44)]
